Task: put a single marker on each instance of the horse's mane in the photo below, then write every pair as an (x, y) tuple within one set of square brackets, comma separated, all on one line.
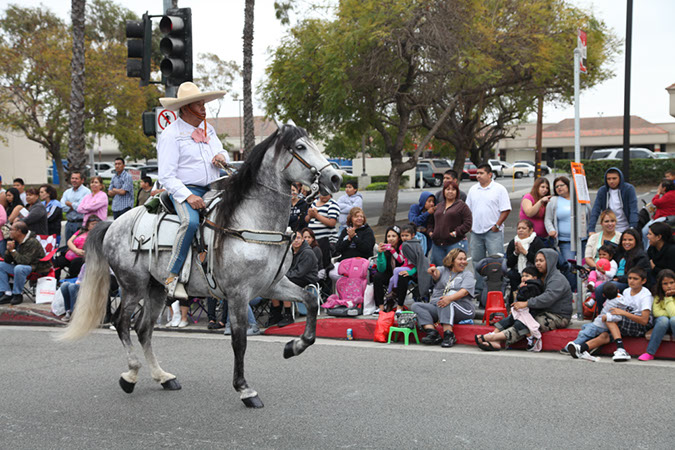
[(236, 188)]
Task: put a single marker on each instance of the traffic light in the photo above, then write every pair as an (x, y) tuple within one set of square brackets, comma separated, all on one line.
[(139, 40), (176, 46)]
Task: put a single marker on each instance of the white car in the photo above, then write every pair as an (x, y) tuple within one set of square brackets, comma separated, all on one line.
[(664, 155), (518, 170), (617, 153), (497, 167)]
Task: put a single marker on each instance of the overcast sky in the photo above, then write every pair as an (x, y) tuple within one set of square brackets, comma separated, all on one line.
[(218, 26)]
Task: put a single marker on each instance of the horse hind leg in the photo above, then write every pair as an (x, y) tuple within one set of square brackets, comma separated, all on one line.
[(239, 322), (122, 324), (286, 290), (144, 329)]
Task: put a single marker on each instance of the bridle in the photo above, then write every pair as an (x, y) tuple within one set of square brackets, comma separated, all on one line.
[(316, 173)]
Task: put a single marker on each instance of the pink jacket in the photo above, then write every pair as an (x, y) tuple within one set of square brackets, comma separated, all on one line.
[(94, 204), (3, 220)]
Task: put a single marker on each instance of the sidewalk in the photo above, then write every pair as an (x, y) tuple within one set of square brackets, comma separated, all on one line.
[(363, 329)]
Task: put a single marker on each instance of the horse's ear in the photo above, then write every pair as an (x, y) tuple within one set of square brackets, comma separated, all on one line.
[(279, 124), (290, 122)]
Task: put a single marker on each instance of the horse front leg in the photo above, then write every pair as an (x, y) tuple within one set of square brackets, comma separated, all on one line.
[(144, 328), (238, 311), (285, 290)]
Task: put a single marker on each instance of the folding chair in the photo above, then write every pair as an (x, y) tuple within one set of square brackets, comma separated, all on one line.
[(49, 245), (299, 307), (196, 309)]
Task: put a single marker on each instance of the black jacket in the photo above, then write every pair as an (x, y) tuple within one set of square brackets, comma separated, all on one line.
[(531, 289), (662, 259), (361, 246), (639, 259), (512, 259), (298, 213), (304, 265)]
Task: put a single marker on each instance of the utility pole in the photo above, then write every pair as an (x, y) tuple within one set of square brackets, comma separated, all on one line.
[(626, 92)]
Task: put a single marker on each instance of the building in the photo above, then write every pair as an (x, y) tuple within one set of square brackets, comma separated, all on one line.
[(22, 158), (234, 128)]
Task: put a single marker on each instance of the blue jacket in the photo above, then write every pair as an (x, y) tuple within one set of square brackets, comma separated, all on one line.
[(417, 215), (628, 200)]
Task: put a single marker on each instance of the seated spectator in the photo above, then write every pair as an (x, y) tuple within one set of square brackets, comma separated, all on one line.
[(634, 317), (663, 310), (49, 198), (629, 254), (73, 259), (618, 196), (451, 301), (298, 210), (20, 186), (3, 200), (34, 214), (606, 236), (661, 251), (351, 199), (422, 213), (95, 203), (69, 292), (533, 207), (22, 257), (521, 251), (451, 175), (552, 309), (308, 236), (14, 204), (3, 220), (322, 218), (303, 271), (211, 304), (411, 250), (452, 222), (389, 257), (145, 191), (605, 270), (664, 201), (355, 241)]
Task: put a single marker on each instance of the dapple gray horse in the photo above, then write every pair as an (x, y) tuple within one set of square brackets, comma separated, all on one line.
[(255, 198)]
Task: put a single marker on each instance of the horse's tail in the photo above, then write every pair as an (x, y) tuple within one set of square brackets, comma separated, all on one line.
[(94, 290)]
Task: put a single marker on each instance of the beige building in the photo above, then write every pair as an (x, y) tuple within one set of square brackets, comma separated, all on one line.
[(22, 158)]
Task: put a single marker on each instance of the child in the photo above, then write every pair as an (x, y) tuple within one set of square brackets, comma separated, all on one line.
[(664, 312), (636, 316), (406, 269), (530, 287), (415, 264), (351, 199), (604, 271), (420, 214), (579, 348)]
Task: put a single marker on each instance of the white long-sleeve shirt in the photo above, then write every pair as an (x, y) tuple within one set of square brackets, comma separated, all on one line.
[(183, 161)]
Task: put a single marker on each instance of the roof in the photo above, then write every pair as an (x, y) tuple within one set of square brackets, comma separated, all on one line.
[(231, 126), (601, 126), (671, 87)]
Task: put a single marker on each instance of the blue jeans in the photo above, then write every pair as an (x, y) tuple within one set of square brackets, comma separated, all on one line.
[(588, 332), (251, 317), (3, 247), (20, 273), (661, 325), (482, 245), (438, 252), (189, 223), (566, 254), (69, 292), (599, 292), (71, 229)]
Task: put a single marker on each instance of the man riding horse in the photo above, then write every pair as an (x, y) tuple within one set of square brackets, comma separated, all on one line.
[(188, 158)]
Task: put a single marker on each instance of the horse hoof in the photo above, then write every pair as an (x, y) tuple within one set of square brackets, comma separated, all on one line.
[(171, 385), (126, 386), (253, 402), (288, 350)]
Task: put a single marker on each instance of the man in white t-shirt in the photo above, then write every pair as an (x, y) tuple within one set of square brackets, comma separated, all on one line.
[(490, 206)]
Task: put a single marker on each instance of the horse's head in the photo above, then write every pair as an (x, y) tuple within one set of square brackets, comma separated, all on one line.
[(304, 162)]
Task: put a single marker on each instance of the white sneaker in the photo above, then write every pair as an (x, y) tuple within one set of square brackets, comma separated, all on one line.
[(253, 330), (573, 349), (183, 324), (621, 355), (112, 327), (588, 357), (175, 321)]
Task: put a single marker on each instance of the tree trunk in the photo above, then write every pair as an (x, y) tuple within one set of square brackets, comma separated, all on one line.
[(56, 156), (538, 149), (76, 148), (388, 217), (249, 133)]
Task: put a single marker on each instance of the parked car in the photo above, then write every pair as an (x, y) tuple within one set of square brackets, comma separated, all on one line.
[(518, 170), (438, 166), (545, 170), (496, 166), (617, 153), (427, 173), (664, 155), (337, 167), (469, 171)]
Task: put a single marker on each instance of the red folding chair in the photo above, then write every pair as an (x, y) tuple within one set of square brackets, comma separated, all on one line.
[(495, 310), (48, 242)]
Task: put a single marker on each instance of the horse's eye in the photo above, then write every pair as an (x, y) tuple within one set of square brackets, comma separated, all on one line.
[(300, 147)]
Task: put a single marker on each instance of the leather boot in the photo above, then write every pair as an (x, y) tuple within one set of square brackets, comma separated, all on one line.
[(275, 315), (287, 319)]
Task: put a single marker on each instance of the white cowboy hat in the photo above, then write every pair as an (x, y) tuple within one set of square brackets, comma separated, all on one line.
[(188, 92)]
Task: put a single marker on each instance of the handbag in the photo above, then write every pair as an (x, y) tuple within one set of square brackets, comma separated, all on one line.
[(407, 320)]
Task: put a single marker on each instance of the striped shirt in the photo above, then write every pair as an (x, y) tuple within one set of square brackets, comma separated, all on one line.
[(330, 210), (122, 181)]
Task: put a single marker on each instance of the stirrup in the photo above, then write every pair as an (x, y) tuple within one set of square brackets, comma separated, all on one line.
[(175, 289)]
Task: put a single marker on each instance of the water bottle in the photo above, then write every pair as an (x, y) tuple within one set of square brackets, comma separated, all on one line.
[(350, 334)]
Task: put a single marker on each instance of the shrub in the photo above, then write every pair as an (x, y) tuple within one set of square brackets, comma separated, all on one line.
[(374, 179), (642, 171), (379, 186)]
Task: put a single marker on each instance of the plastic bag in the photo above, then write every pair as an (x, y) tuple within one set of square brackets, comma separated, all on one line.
[(45, 290), (369, 300), (384, 321), (58, 306)]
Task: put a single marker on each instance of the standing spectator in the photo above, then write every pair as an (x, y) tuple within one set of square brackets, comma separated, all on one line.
[(19, 185), (452, 222), (121, 190), (490, 206), (22, 257), (70, 200), (618, 196), (36, 218), (145, 191), (95, 202), (49, 198), (533, 207), (664, 201), (351, 199), (421, 214), (661, 250), (321, 219), (298, 210), (451, 175)]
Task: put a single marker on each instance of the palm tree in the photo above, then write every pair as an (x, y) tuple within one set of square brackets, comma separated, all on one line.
[(249, 135), (76, 148)]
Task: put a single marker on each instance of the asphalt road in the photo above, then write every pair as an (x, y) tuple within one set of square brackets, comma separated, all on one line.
[(337, 395)]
